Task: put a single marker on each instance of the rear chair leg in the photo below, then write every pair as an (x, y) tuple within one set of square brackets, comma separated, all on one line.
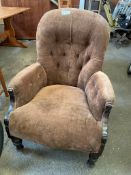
[(16, 141), (93, 157)]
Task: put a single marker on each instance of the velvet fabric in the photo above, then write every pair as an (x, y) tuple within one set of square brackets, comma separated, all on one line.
[(71, 44), (99, 92), (61, 98), (59, 117), (27, 83)]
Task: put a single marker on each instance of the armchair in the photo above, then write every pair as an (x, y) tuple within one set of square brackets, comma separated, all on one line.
[(64, 100)]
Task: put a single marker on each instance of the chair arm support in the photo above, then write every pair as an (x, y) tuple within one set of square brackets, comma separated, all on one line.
[(105, 116), (99, 92), (27, 83), (10, 109)]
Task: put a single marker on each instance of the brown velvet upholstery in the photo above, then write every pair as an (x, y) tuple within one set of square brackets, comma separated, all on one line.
[(99, 91), (27, 83), (71, 47), (70, 51), (59, 117)]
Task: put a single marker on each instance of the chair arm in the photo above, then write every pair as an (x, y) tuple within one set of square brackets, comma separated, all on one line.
[(99, 92), (27, 83)]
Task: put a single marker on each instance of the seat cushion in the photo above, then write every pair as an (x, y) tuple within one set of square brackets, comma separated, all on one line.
[(59, 117)]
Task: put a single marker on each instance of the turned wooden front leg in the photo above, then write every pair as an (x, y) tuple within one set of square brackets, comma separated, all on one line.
[(10, 40), (3, 83)]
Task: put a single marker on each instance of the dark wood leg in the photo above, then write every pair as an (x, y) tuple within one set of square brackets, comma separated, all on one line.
[(93, 157), (9, 34), (16, 141)]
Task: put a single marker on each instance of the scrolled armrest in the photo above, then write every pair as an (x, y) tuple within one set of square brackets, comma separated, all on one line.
[(27, 83), (99, 92)]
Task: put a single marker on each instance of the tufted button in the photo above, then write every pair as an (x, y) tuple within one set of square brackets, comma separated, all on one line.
[(87, 43), (80, 67), (64, 54), (56, 40), (58, 65), (51, 53), (77, 55)]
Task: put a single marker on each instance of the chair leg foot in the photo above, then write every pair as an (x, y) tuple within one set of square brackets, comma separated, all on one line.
[(17, 143), (93, 157)]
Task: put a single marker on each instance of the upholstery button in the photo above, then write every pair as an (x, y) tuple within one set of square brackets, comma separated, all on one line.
[(64, 54), (77, 55), (58, 65), (80, 67), (51, 53)]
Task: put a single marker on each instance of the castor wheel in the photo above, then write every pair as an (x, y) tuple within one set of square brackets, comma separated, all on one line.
[(90, 163), (19, 147), (129, 69), (17, 143), (93, 157), (1, 138)]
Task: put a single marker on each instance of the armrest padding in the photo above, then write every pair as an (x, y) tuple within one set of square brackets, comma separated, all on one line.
[(99, 91), (27, 83), (87, 71)]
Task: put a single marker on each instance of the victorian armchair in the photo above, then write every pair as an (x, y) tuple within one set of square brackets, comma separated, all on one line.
[(64, 100)]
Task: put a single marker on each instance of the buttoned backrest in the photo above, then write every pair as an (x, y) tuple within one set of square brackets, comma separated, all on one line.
[(68, 42)]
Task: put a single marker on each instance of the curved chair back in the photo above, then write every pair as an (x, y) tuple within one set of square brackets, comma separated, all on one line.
[(67, 39)]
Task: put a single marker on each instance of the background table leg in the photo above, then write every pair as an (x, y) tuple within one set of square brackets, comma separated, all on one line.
[(11, 40), (3, 83)]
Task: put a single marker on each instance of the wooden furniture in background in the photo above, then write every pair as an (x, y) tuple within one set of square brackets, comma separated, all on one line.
[(75, 3), (25, 25), (3, 84), (7, 38), (65, 3)]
